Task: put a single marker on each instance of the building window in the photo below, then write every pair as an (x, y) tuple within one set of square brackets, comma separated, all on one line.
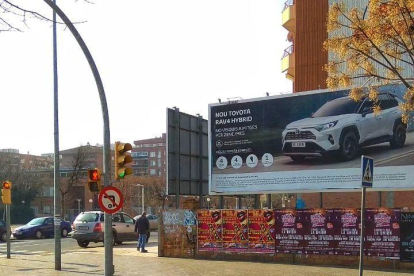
[(46, 209), (159, 162), (153, 163), (153, 172), (152, 154), (159, 173), (35, 209), (140, 153), (47, 191)]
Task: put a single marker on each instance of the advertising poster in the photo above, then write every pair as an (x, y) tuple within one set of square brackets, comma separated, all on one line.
[(235, 230), (309, 141), (318, 231), (209, 230), (407, 237), (382, 232), (289, 231), (347, 231), (261, 231)]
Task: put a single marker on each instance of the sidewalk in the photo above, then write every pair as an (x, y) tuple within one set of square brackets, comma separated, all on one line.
[(91, 262)]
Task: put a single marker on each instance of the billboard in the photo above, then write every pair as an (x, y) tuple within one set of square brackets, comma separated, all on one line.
[(407, 237), (187, 154), (308, 142)]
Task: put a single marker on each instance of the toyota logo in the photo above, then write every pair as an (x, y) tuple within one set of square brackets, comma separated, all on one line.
[(297, 131)]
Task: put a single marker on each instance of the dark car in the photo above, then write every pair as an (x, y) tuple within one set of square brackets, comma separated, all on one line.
[(3, 232), (41, 227)]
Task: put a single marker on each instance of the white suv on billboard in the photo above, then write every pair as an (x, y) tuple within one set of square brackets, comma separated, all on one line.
[(343, 126)]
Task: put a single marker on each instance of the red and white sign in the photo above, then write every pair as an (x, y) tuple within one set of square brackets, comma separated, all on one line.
[(110, 200)]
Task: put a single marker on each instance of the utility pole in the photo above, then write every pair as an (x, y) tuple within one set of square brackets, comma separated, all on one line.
[(57, 199)]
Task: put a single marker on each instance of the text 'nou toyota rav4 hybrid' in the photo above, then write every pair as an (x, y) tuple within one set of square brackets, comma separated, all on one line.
[(343, 126)]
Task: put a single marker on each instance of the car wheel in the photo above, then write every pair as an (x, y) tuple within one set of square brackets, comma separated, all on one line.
[(399, 136), (64, 233), (4, 236), (83, 243), (38, 234), (297, 158), (349, 146)]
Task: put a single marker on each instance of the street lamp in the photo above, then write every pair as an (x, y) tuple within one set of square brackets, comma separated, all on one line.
[(208, 203), (140, 185)]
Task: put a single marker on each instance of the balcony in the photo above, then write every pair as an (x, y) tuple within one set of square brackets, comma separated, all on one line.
[(288, 62), (289, 16)]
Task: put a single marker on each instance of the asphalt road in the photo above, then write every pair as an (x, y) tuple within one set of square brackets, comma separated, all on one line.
[(382, 154)]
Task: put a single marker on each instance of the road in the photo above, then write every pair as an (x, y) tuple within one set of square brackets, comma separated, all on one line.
[(382, 154)]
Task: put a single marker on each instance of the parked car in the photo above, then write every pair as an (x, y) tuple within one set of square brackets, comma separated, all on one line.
[(89, 227), (153, 221), (41, 227), (3, 231), (343, 126)]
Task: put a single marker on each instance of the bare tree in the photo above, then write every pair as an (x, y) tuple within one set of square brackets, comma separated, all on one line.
[(79, 164)]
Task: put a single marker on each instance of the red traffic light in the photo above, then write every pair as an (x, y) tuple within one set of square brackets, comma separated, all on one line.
[(94, 175), (6, 185)]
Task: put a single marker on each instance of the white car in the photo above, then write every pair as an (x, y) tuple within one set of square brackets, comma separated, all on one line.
[(343, 126)]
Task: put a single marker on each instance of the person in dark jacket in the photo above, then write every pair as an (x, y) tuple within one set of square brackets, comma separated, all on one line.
[(141, 228)]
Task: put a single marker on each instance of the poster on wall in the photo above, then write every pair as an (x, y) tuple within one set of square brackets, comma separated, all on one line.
[(318, 231), (278, 143), (289, 231), (382, 232), (261, 231), (407, 237), (235, 230), (347, 231), (209, 230)]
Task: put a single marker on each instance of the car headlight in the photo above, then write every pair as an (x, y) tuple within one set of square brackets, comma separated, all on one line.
[(326, 126)]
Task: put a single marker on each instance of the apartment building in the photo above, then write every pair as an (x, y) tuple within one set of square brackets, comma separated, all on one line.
[(149, 157)]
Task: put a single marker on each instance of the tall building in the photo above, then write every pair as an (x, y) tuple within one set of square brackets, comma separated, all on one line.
[(304, 59), (149, 156)]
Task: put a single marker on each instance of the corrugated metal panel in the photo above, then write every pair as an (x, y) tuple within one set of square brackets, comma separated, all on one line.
[(362, 4), (311, 33)]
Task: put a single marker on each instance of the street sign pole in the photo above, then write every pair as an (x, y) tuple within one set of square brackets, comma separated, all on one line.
[(361, 242), (8, 229), (367, 179)]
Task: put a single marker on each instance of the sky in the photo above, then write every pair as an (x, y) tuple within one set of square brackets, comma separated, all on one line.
[(151, 55)]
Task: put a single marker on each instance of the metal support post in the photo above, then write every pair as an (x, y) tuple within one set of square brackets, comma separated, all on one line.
[(177, 156), (221, 202), (269, 201), (320, 200), (200, 161), (8, 229), (256, 201), (239, 202), (109, 268), (361, 242)]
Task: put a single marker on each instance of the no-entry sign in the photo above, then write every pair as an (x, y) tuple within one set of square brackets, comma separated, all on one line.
[(110, 200)]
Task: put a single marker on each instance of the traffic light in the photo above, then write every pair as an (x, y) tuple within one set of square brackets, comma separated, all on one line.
[(6, 192), (122, 157), (94, 180)]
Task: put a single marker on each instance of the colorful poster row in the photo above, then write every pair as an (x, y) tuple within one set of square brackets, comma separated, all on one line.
[(313, 231)]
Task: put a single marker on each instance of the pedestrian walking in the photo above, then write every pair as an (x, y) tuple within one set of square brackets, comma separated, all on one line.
[(141, 229)]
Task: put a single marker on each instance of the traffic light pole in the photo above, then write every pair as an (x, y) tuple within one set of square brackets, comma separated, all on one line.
[(109, 268), (57, 198), (8, 229)]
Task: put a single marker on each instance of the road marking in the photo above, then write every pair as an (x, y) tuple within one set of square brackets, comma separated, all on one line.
[(392, 158)]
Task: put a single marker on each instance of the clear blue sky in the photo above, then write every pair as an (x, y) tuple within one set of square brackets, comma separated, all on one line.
[(151, 55)]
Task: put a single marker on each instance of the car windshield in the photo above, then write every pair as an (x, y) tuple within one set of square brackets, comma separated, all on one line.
[(87, 217), (337, 107), (36, 221)]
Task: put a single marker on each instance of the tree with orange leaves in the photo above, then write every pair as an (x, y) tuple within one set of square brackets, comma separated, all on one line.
[(371, 47)]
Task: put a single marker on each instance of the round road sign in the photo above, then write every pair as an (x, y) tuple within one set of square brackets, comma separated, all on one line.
[(110, 200)]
